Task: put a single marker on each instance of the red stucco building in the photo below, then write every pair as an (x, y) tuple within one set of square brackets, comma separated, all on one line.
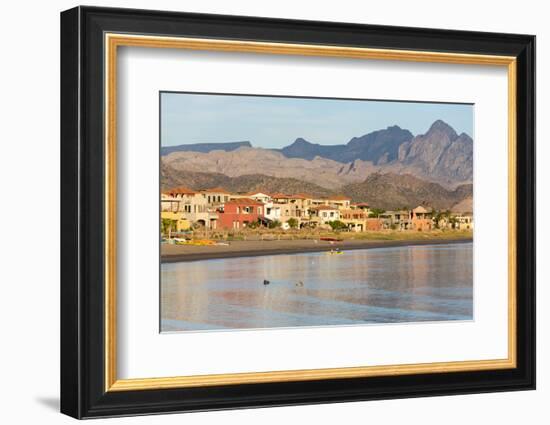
[(238, 213)]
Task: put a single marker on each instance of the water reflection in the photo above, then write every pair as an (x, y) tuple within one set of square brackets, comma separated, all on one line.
[(387, 285)]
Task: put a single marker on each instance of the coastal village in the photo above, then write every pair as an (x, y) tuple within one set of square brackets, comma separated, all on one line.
[(184, 211)]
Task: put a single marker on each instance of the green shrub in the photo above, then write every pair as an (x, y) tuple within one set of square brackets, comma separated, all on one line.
[(337, 225), (293, 223)]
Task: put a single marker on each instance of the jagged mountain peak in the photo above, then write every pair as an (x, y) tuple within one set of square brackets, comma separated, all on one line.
[(465, 136), (440, 153), (443, 127), (301, 148)]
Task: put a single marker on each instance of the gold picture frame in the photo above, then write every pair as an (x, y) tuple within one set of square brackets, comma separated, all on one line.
[(91, 40), (114, 41)]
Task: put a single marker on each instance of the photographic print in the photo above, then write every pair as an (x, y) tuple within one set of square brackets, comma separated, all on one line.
[(281, 212), (301, 232)]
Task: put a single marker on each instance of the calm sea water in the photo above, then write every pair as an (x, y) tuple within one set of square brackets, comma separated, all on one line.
[(386, 285)]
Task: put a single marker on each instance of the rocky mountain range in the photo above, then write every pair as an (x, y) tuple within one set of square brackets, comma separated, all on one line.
[(393, 191), (378, 147), (387, 191), (440, 155), (204, 147), (171, 178), (388, 167)]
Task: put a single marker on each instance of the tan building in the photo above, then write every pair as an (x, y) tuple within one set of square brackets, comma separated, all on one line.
[(363, 206), (464, 222), (287, 207), (193, 206), (257, 196), (340, 202), (169, 203), (302, 203), (286, 211), (355, 219), (216, 196), (173, 199), (318, 201), (397, 220), (322, 214), (421, 219)]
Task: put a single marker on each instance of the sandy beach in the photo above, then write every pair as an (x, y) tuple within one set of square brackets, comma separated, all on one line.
[(178, 253)]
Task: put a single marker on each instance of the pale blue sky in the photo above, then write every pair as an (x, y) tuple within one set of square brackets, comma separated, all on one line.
[(275, 122)]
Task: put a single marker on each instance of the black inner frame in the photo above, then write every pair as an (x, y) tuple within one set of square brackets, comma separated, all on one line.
[(82, 206)]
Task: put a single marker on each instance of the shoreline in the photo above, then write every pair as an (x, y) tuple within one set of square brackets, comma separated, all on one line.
[(182, 253)]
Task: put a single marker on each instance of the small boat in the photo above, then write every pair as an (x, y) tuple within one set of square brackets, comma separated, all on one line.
[(335, 252), (327, 239), (199, 242)]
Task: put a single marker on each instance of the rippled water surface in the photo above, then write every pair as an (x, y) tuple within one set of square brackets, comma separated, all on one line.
[(385, 285)]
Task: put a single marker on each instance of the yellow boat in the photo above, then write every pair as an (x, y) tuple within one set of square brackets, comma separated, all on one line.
[(195, 242)]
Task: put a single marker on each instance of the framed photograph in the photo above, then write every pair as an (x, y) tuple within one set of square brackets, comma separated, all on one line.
[(261, 212)]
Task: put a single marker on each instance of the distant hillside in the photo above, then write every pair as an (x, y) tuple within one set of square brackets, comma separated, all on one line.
[(303, 149), (387, 191), (246, 161), (171, 178), (393, 191), (204, 147), (464, 206)]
